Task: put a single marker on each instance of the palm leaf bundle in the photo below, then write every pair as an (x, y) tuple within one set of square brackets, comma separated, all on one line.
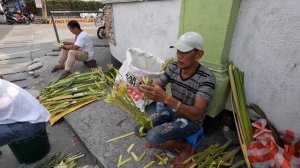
[(120, 96), (166, 63), (240, 111), (77, 88), (213, 156), (65, 160)]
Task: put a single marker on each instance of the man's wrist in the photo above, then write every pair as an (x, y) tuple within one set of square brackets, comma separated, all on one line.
[(178, 105), (166, 99), (66, 47), (172, 102)]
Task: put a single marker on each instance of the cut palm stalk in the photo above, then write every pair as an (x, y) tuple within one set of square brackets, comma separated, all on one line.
[(146, 81), (124, 162), (238, 164), (149, 164), (129, 148), (141, 156), (219, 164), (213, 154), (120, 159), (60, 160), (192, 165), (190, 158), (166, 160), (134, 156), (120, 96), (166, 63), (241, 116), (242, 101), (230, 155), (120, 137), (160, 159), (202, 156), (239, 99), (240, 135)]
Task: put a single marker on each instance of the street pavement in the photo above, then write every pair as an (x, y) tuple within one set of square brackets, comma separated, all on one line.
[(19, 46), (86, 129)]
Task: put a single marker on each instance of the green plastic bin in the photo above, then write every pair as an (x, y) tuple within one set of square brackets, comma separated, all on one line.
[(31, 149)]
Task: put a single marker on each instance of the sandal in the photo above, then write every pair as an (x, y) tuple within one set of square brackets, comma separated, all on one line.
[(65, 74), (57, 68)]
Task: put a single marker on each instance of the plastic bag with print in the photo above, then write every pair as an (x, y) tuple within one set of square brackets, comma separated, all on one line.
[(139, 63), (264, 152)]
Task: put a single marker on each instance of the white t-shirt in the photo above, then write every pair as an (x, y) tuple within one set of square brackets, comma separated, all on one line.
[(85, 43), (17, 105)]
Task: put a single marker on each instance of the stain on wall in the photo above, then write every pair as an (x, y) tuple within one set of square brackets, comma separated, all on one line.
[(109, 23)]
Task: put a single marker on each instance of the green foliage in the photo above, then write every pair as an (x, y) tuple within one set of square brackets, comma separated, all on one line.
[(72, 5), (30, 4)]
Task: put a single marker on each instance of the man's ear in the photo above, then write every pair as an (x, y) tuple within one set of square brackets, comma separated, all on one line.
[(199, 54)]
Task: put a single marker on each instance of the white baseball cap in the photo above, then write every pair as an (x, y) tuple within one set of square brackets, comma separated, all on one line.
[(189, 41)]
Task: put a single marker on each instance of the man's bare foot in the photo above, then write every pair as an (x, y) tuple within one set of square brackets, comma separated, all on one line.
[(184, 154)]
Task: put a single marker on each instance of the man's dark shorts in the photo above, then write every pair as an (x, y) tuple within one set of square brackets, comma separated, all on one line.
[(170, 125)]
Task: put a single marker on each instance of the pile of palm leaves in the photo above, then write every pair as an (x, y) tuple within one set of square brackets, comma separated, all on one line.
[(74, 91), (214, 156), (61, 160)]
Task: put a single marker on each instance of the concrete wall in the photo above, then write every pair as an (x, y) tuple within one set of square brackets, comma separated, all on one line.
[(266, 46), (151, 26)]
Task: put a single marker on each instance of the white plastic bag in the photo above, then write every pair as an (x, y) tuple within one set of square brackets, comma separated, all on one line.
[(139, 63)]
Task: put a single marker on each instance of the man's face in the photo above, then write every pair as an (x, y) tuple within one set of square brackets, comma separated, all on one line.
[(186, 60), (72, 30)]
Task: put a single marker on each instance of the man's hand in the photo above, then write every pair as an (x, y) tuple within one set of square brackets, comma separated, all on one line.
[(153, 92), (67, 43), (71, 47)]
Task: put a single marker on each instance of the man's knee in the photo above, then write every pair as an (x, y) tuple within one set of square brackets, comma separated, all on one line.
[(72, 53), (153, 137)]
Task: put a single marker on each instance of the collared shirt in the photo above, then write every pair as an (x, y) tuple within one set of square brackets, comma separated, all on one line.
[(17, 105)]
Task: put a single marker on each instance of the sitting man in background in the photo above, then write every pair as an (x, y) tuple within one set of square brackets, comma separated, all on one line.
[(81, 50), (192, 86), (21, 115)]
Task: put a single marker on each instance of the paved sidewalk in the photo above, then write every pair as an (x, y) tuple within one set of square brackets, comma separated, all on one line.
[(18, 47)]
